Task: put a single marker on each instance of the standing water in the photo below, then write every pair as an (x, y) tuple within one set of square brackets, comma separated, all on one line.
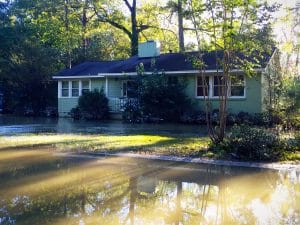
[(39, 188)]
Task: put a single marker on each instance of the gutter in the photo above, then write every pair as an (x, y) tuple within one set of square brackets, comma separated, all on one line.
[(102, 75)]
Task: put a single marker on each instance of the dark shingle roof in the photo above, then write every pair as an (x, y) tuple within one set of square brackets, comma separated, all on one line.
[(166, 62)]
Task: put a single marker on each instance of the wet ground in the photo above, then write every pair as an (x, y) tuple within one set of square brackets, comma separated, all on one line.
[(15, 125), (39, 188)]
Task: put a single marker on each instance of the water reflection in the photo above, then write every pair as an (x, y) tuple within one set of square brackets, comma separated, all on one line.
[(37, 188), (16, 125)]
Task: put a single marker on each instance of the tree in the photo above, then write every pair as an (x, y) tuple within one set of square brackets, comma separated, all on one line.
[(177, 7), (117, 19), (239, 33)]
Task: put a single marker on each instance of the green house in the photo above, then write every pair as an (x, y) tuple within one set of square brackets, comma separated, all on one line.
[(116, 79)]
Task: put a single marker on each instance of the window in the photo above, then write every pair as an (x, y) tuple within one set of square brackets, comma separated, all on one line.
[(65, 89), (85, 86), (129, 89), (202, 86), (237, 86), (218, 85), (75, 88), (212, 86)]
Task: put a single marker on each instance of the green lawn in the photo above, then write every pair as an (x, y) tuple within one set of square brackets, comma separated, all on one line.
[(177, 145), (174, 145)]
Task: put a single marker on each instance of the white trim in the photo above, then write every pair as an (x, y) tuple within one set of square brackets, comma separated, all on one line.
[(59, 92), (102, 75), (80, 87), (210, 94), (78, 77), (58, 89), (70, 89)]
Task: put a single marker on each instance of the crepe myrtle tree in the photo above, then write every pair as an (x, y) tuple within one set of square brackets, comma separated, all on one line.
[(239, 32)]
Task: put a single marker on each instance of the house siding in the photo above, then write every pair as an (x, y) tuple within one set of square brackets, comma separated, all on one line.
[(252, 103), (65, 105), (98, 84), (114, 88)]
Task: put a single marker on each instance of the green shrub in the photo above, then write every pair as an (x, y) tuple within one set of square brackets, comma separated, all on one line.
[(91, 106), (163, 97), (75, 113), (132, 112), (254, 143)]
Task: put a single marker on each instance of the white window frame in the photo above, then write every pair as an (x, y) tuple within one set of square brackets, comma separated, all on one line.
[(234, 96), (70, 88), (211, 86)]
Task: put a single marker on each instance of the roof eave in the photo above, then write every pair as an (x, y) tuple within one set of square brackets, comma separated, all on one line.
[(102, 75)]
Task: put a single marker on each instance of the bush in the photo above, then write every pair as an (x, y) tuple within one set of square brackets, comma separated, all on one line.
[(254, 143), (248, 143), (91, 106), (163, 97), (132, 112)]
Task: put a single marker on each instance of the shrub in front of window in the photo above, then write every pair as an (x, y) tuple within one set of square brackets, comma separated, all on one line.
[(91, 106), (163, 97)]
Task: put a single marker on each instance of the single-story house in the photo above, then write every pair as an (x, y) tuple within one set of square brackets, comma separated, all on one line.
[(115, 78)]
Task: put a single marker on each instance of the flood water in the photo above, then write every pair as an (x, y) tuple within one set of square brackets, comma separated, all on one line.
[(16, 125), (37, 187)]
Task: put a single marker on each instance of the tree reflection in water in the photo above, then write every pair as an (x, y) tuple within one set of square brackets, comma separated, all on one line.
[(42, 189)]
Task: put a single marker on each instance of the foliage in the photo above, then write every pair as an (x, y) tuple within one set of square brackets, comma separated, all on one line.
[(160, 98), (242, 34), (91, 106), (163, 97), (132, 112), (250, 143)]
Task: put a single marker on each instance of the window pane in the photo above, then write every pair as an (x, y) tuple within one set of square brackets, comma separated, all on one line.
[(237, 80), (200, 91), (218, 80), (65, 92), (132, 89), (85, 91), (202, 84), (85, 84), (237, 91), (75, 88), (65, 84), (217, 89), (75, 84), (75, 92)]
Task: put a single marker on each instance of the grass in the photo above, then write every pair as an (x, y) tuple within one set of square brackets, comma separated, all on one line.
[(176, 145), (173, 145)]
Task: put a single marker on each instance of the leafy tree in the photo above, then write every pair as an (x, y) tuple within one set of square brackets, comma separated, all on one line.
[(241, 32)]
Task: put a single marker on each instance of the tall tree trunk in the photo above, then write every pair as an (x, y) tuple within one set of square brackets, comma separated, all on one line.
[(84, 24), (134, 30), (67, 26), (180, 27)]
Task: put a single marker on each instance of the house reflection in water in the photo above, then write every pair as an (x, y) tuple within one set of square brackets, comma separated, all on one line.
[(45, 189)]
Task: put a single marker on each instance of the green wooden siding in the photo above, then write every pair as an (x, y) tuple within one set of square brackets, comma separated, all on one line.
[(114, 87), (65, 105), (252, 103), (98, 84)]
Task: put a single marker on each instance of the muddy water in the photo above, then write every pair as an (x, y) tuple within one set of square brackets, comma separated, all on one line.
[(39, 188), (10, 125)]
